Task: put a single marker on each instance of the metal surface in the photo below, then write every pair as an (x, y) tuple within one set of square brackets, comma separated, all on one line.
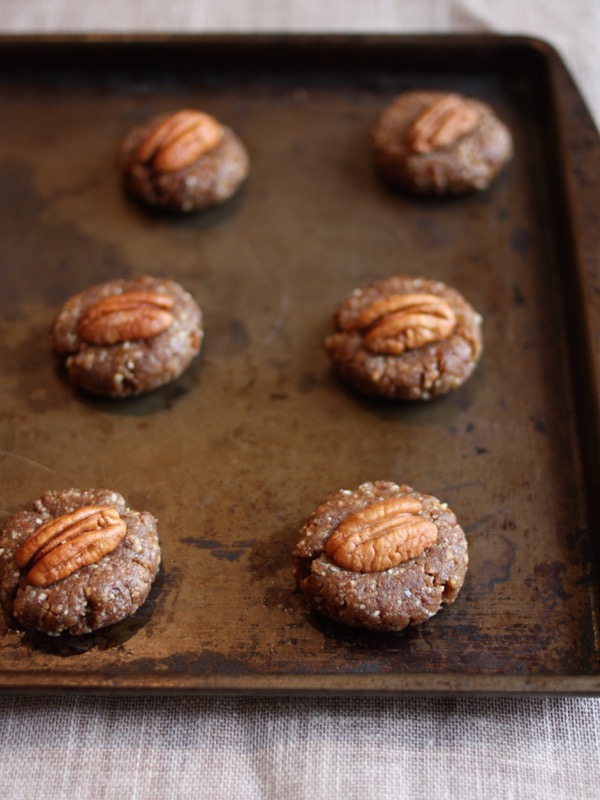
[(234, 456)]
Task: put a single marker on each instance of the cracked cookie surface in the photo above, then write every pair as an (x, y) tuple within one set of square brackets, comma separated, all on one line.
[(390, 599), (419, 372), (93, 596)]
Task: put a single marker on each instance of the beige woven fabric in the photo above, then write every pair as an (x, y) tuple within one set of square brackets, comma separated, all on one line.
[(223, 748), (174, 747)]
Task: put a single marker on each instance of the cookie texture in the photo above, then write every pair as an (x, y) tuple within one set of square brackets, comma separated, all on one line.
[(436, 143), (93, 596), (183, 161), (127, 336), (405, 338), (389, 599)]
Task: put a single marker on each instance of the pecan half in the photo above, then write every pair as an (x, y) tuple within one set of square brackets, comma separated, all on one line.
[(381, 535), (404, 322), (179, 140), (63, 545), (442, 123), (138, 314)]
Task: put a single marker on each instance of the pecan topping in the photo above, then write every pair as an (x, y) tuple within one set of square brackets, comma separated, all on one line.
[(179, 140), (63, 545), (442, 123), (381, 535), (124, 317), (404, 322)]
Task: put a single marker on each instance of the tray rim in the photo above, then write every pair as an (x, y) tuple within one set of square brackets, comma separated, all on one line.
[(385, 684), (538, 47), (326, 684), (259, 37)]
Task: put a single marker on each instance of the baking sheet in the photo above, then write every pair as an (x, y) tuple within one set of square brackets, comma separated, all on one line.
[(235, 455)]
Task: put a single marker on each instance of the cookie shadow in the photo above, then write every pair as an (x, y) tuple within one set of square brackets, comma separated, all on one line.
[(441, 410), (156, 401), (203, 218), (109, 638)]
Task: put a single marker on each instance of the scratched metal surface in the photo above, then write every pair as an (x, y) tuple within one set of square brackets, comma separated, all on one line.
[(233, 456)]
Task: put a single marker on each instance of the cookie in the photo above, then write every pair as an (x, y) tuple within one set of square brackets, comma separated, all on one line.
[(380, 557), (436, 143), (183, 161), (405, 338), (75, 561), (125, 337)]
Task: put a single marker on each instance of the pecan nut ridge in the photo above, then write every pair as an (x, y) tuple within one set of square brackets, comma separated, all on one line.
[(401, 322), (382, 535), (63, 545), (116, 318), (442, 123), (179, 140)]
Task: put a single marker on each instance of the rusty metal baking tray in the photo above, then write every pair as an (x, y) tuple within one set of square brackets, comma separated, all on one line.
[(233, 456)]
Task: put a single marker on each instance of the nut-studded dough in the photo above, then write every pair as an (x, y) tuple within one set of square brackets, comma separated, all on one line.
[(183, 161), (387, 600), (435, 143), (437, 359), (124, 352), (92, 597)]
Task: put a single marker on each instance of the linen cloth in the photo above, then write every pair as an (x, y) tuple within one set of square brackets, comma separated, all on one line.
[(228, 747), (275, 749)]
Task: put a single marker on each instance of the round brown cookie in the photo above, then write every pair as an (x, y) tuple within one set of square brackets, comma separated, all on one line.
[(369, 528), (127, 336), (405, 338), (438, 143), (183, 161), (52, 583)]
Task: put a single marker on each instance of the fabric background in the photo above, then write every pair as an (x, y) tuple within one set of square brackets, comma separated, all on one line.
[(178, 747), (539, 749)]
